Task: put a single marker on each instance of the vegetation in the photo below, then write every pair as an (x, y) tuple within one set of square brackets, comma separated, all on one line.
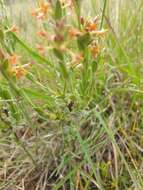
[(71, 95)]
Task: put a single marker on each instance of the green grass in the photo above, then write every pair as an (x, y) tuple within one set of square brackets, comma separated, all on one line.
[(64, 127)]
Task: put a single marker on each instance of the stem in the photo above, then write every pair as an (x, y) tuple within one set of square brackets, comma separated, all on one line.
[(77, 7), (103, 13)]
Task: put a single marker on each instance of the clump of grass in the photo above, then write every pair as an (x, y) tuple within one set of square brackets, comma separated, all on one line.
[(71, 102)]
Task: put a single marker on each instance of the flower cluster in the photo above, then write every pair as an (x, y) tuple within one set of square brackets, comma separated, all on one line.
[(64, 34), (15, 67), (42, 11), (57, 34)]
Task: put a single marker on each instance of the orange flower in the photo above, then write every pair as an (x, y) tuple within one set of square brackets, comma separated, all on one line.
[(90, 26), (44, 7), (34, 13), (14, 59), (40, 48), (95, 49), (77, 58), (42, 11), (14, 28), (42, 33), (74, 32), (19, 72)]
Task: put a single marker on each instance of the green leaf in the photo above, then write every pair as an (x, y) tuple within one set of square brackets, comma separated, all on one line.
[(5, 94), (34, 94), (1, 35), (58, 10), (94, 66), (77, 7), (83, 41), (58, 54), (5, 64), (32, 52), (63, 69)]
